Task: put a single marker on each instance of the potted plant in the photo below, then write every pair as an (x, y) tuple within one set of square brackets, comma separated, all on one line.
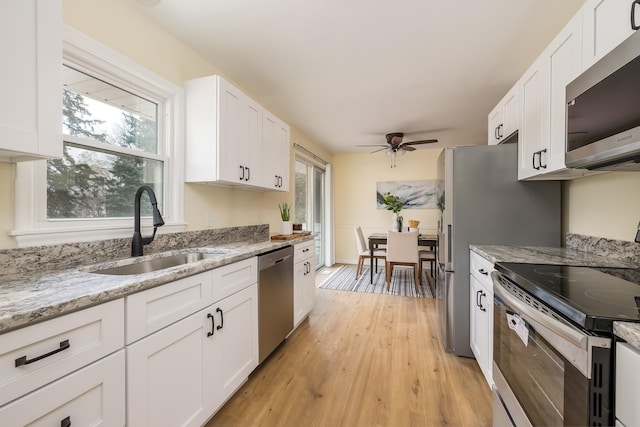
[(395, 205), (285, 215)]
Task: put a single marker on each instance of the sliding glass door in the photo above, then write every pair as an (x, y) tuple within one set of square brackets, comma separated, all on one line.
[(310, 204)]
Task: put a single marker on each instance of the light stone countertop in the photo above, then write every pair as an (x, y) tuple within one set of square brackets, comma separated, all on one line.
[(546, 255), (629, 331), (37, 296)]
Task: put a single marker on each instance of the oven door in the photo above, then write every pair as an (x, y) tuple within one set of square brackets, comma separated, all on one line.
[(542, 366)]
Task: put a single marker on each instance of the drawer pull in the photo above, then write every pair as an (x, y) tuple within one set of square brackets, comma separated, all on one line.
[(66, 422), (482, 271), (305, 250), (24, 361)]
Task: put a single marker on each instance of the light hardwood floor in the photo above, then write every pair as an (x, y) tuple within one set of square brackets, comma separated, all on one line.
[(362, 360)]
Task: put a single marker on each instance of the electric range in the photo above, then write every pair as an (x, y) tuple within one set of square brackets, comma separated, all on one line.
[(553, 339)]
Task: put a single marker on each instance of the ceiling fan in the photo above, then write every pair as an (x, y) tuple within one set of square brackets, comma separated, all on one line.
[(395, 146)]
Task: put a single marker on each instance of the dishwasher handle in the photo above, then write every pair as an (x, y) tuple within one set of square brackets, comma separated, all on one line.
[(274, 258)]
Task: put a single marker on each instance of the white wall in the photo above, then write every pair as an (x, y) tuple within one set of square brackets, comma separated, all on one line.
[(356, 176)]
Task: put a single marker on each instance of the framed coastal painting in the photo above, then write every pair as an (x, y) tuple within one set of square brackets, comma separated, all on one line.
[(416, 194)]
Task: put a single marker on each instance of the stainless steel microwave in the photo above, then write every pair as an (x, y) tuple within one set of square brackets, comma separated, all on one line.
[(603, 112)]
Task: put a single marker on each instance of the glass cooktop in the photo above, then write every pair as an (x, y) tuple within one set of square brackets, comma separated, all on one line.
[(591, 297)]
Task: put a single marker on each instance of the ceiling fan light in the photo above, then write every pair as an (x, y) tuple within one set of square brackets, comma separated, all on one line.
[(400, 153)]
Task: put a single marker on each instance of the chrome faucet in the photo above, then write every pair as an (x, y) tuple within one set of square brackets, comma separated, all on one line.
[(138, 241)]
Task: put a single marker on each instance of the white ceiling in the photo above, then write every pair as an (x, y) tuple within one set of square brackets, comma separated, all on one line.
[(346, 72)]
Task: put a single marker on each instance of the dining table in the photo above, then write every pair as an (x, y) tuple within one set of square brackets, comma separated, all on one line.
[(377, 239)]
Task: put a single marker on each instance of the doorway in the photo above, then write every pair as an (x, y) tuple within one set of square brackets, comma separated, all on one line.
[(310, 203)]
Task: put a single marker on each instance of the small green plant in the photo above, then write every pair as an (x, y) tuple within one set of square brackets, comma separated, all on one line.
[(393, 203), (285, 211)]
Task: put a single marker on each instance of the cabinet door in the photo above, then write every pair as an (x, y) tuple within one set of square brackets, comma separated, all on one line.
[(607, 23), (283, 148), (476, 339), (495, 120), (235, 338), (250, 151), (169, 375), (511, 115), (231, 117), (275, 144), (532, 129), (309, 288), (31, 79), (565, 64), (92, 396)]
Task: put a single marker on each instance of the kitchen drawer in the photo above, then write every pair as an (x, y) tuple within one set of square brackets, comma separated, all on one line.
[(153, 309), (92, 396), (90, 334), (303, 251), (481, 269), (627, 384), (234, 277)]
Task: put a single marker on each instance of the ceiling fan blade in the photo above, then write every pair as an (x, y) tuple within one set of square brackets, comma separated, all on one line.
[(424, 141), (380, 149), (372, 145), (407, 148)]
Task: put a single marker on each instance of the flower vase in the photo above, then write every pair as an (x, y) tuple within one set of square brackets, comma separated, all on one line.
[(394, 222), (399, 223)]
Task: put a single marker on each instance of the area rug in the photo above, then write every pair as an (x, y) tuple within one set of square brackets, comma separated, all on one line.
[(344, 279)]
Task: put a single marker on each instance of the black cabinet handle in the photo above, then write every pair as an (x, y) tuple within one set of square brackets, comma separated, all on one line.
[(24, 361), (248, 174), (221, 325), (276, 177), (241, 173), (634, 26), (500, 134), (482, 295), (495, 132), (213, 324), (66, 422), (541, 165), (533, 159), (305, 250), (482, 271)]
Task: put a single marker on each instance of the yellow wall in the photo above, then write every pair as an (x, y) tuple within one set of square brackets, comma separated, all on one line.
[(119, 25), (355, 195), (606, 205)]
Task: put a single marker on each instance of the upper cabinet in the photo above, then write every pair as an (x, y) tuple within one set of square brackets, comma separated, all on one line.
[(275, 152), (232, 139), (504, 119), (543, 130), (607, 23), (31, 80)]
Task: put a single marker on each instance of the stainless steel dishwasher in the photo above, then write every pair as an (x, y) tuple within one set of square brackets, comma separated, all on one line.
[(275, 299)]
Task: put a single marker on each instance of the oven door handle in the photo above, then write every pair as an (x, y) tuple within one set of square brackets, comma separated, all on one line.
[(532, 315)]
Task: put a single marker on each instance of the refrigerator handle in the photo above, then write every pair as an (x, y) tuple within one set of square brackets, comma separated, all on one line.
[(449, 243)]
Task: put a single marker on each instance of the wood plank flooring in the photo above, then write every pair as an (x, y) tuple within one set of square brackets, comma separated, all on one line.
[(362, 360)]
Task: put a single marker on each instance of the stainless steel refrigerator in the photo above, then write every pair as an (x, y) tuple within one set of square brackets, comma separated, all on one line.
[(482, 202)]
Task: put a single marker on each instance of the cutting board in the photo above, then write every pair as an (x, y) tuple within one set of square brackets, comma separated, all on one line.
[(290, 236)]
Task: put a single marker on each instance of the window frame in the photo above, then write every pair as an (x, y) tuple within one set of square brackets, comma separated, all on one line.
[(32, 227)]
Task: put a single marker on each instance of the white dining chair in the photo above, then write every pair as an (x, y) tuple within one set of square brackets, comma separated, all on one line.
[(364, 252), (402, 249)]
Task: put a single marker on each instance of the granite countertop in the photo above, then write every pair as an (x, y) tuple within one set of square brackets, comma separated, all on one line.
[(36, 296), (546, 255), (628, 331)]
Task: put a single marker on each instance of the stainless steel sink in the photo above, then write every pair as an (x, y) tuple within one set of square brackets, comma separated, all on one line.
[(160, 263)]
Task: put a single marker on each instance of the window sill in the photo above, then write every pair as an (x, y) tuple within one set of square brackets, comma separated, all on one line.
[(53, 236)]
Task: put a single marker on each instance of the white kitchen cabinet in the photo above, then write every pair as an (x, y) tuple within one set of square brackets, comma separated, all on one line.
[(304, 289), (607, 23), (275, 152), (481, 313), (170, 379), (31, 80), (627, 384), (534, 120), (223, 133), (36, 355), (91, 396), (504, 119), (190, 362), (231, 139)]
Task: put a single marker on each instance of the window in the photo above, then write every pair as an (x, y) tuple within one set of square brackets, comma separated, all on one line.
[(310, 203), (121, 128)]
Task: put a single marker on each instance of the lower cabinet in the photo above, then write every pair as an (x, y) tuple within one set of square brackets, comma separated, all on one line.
[(183, 373), (481, 314), (304, 280), (91, 396), (627, 380)]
